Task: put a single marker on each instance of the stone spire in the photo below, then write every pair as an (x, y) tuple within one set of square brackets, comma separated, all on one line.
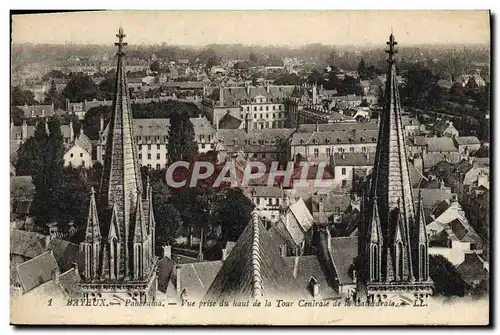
[(92, 243), (390, 201), (121, 180)]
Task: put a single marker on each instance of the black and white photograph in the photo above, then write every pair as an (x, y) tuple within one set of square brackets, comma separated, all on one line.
[(250, 167)]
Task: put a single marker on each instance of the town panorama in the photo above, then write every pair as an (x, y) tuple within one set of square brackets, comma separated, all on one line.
[(166, 177)]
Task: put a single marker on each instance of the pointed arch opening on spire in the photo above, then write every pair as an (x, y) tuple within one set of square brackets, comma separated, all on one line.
[(423, 262), (375, 262), (399, 260)]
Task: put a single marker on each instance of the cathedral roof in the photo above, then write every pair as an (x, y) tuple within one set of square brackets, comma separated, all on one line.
[(254, 269)]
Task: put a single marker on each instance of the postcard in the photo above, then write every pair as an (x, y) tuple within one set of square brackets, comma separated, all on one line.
[(250, 168)]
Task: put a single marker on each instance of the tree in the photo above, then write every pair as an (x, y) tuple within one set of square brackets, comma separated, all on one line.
[(79, 88), (52, 95), (232, 211), (25, 159), (181, 141), (362, 69), (253, 58), (54, 74), (447, 280), (20, 97), (92, 121), (315, 77), (288, 79), (16, 115), (41, 208), (155, 66), (106, 89)]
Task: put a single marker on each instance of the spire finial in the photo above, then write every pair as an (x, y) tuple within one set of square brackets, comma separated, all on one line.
[(92, 191), (120, 44), (392, 47)]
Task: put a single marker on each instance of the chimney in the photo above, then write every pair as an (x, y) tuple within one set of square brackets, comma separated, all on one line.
[(68, 106), (317, 127), (55, 275), (321, 211), (314, 95), (343, 155), (101, 124), (167, 251), (71, 132), (282, 250), (328, 238), (314, 287), (248, 90), (367, 155), (75, 266), (24, 130), (48, 238), (178, 278), (200, 251), (224, 254), (268, 87), (204, 89), (418, 162), (221, 96)]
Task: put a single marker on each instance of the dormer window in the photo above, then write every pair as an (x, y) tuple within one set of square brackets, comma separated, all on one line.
[(301, 141), (327, 140), (374, 139), (315, 141), (362, 139), (339, 139)]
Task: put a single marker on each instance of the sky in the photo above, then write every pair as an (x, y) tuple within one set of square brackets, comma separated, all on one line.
[(293, 28)]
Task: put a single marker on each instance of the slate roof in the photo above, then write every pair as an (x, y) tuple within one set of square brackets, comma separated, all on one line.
[(165, 267), (441, 144), (66, 253), (302, 214), (353, 159), (27, 244), (70, 282), (229, 122), (464, 231), (263, 191), (196, 278), (432, 196), (467, 140), (331, 202), (343, 251), (36, 271), (348, 126), (305, 267), (473, 268), (254, 269), (335, 137)]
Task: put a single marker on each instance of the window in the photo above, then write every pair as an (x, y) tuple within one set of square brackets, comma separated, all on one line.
[(351, 149), (340, 150), (375, 263), (316, 153), (279, 107), (149, 156), (157, 156), (328, 151), (81, 154), (203, 145), (274, 108), (158, 166), (166, 156), (267, 116), (149, 146), (140, 156), (255, 116), (254, 108), (140, 146), (83, 163), (274, 115), (344, 183), (267, 108), (343, 171), (399, 260), (363, 149), (149, 166), (71, 155), (157, 147), (260, 108)]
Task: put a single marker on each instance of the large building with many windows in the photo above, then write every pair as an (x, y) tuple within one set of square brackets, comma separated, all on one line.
[(152, 139)]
